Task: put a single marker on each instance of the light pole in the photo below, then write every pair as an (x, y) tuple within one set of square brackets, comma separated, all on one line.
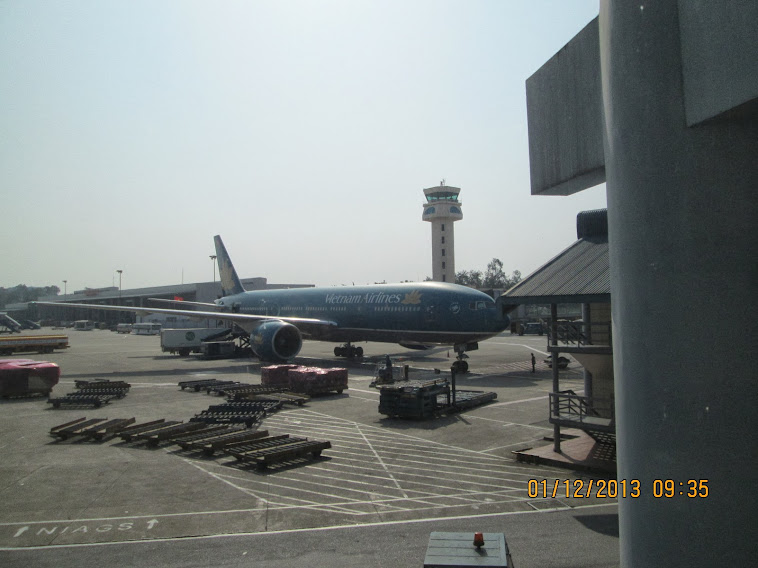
[(65, 290), (119, 285), (213, 262)]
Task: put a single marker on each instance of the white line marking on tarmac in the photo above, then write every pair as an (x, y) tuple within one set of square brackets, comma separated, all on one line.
[(289, 531), (353, 389), (506, 423), (530, 348), (381, 462), (506, 403)]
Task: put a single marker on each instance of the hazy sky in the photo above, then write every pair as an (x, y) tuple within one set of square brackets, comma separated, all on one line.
[(303, 132)]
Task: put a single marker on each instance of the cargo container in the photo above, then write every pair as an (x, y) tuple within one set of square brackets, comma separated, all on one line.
[(24, 377)]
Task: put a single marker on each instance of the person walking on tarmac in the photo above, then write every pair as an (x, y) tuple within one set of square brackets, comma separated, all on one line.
[(534, 361)]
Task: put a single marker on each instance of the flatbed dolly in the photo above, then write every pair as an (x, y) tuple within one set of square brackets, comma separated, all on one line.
[(274, 449), (209, 446), (95, 399)]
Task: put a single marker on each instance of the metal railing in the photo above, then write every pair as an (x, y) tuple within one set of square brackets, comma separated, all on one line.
[(580, 333), (584, 412)]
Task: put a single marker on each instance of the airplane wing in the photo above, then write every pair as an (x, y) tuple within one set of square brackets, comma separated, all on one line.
[(245, 321)]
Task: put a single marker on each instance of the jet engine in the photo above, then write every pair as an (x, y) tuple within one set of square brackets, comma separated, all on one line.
[(276, 341)]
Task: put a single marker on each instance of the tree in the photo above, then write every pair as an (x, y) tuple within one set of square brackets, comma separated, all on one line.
[(472, 278), (514, 279), (494, 277), (24, 293)]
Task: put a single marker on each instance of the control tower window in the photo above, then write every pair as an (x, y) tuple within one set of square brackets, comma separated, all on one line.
[(442, 196), (443, 240), (443, 226), (443, 252)]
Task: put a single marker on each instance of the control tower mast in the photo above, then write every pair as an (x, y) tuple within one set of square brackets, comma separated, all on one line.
[(442, 209)]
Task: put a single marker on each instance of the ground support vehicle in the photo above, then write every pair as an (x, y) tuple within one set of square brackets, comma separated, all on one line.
[(275, 449), (218, 349), (425, 399), (240, 412), (186, 341), (96, 399), (32, 343), (94, 428)]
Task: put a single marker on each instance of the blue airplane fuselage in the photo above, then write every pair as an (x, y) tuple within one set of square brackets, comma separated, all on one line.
[(428, 312)]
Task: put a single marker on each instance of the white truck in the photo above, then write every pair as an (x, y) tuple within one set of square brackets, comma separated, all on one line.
[(186, 341)]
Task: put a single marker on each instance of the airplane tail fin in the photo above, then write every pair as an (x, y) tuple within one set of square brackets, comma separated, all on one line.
[(230, 282)]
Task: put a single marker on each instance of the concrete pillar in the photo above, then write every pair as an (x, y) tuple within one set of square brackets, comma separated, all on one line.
[(682, 225), (587, 331), (556, 375)]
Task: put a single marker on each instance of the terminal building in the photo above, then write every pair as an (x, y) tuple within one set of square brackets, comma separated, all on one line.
[(205, 292)]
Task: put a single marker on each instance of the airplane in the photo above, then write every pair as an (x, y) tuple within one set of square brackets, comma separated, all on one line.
[(415, 315)]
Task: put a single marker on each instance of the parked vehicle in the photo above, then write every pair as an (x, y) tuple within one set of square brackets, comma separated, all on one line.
[(84, 325), (186, 341), (146, 328), (32, 344), (219, 349), (532, 328)]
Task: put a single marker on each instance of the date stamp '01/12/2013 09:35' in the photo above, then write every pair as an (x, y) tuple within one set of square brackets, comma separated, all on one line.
[(612, 488)]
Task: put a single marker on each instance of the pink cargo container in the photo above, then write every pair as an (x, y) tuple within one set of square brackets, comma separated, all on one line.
[(314, 380), (22, 377), (276, 375)]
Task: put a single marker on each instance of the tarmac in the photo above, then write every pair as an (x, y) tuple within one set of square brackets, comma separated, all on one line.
[(370, 500)]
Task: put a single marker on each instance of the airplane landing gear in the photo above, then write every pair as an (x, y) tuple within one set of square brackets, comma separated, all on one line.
[(460, 365), (348, 351)]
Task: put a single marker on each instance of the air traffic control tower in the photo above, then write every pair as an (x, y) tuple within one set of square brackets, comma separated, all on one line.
[(442, 209)]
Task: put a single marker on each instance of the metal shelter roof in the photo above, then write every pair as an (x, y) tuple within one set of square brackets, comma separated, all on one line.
[(580, 274)]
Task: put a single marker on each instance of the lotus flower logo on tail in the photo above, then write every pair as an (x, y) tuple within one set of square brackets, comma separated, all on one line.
[(412, 298)]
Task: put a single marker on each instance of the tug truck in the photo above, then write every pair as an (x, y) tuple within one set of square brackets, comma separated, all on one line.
[(32, 343), (186, 341)]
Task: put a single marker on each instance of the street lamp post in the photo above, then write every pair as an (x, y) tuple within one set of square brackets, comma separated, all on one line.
[(213, 262), (65, 290), (119, 291)]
